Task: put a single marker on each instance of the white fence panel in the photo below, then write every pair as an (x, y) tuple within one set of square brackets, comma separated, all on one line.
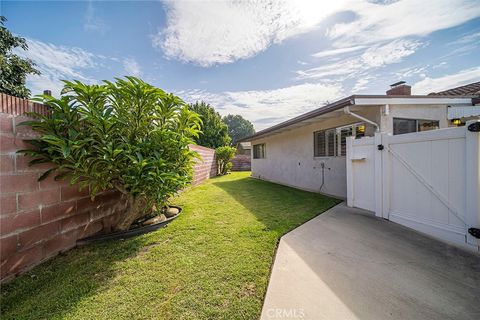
[(428, 181), (361, 159)]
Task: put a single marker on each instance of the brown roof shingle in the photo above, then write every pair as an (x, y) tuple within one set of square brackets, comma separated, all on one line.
[(472, 89)]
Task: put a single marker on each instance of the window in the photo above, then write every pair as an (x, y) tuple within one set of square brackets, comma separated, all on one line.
[(325, 143), (333, 142), (401, 126), (259, 151), (319, 144), (426, 125), (344, 133)]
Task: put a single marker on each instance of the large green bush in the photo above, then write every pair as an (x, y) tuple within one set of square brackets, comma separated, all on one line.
[(126, 135), (238, 127), (224, 155), (13, 68), (214, 131)]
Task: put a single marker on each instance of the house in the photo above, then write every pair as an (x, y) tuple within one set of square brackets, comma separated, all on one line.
[(308, 152), (244, 148), (242, 160)]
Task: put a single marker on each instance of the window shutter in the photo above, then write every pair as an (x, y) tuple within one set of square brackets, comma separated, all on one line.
[(319, 144), (332, 143), (344, 133)]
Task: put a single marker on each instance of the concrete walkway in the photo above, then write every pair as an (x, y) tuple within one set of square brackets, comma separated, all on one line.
[(348, 264)]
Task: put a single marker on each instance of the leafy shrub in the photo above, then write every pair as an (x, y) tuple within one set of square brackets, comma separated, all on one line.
[(223, 156), (126, 135)]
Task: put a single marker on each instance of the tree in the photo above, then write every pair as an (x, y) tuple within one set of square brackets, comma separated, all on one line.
[(238, 127), (223, 156), (214, 131), (13, 69), (125, 135)]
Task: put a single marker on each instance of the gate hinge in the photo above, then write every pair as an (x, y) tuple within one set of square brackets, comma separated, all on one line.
[(475, 232), (380, 147)]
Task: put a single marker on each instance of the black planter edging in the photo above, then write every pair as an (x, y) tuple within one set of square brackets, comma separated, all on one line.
[(128, 233)]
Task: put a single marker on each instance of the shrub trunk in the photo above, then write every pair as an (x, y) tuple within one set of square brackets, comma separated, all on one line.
[(137, 207)]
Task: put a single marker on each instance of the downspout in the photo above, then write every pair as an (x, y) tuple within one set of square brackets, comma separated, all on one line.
[(347, 111), (323, 176)]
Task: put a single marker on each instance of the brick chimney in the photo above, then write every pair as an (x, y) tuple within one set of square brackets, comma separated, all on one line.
[(399, 89)]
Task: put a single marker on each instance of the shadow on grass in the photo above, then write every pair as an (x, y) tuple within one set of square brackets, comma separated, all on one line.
[(279, 208), (57, 286)]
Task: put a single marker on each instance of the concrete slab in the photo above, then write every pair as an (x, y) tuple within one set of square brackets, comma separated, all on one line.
[(348, 264)]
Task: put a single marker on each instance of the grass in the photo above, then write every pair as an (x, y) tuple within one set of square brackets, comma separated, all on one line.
[(212, 262)]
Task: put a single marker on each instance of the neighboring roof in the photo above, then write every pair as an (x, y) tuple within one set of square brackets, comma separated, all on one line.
[(245, 145), (471, 89), (361, 100)]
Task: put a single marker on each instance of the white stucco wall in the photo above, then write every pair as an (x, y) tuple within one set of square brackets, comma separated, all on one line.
[(290, 157), (421, 112)]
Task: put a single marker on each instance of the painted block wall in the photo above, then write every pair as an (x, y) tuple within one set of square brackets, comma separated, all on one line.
[(242, 162), (206, 166), (38, 220)]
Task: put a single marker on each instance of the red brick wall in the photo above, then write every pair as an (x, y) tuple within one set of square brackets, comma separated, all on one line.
[(241, 162), (40, 219), (17, 106), (206, 167)]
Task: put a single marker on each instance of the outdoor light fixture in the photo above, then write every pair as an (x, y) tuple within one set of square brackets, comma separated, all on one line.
[(361, 128), (457, 122)]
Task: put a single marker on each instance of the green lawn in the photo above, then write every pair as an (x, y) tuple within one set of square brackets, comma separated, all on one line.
[(213, 262)]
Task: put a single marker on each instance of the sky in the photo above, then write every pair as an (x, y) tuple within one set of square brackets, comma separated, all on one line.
[(265, 60)]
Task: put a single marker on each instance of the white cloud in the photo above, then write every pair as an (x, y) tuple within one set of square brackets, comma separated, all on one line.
[(56, 63), (461, 78), (473, 37), (463, 45), (377, 22), (335, 52), (132, 67), (92, 22), (212, 32), (372, 58), (268, 107), (361, 84), (417, 70)]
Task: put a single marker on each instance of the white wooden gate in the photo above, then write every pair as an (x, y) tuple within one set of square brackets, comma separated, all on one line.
[(428, 181), (361, 173)]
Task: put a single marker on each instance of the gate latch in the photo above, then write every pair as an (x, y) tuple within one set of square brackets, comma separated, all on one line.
[(380, 147), (474, 127), (475, 232)]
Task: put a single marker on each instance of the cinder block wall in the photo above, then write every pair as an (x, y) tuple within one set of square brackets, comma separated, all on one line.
[(242, 162), (206, 167), (38, 220)]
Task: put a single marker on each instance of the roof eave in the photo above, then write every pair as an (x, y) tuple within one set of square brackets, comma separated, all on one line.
[(315, 113), (356, 100)]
